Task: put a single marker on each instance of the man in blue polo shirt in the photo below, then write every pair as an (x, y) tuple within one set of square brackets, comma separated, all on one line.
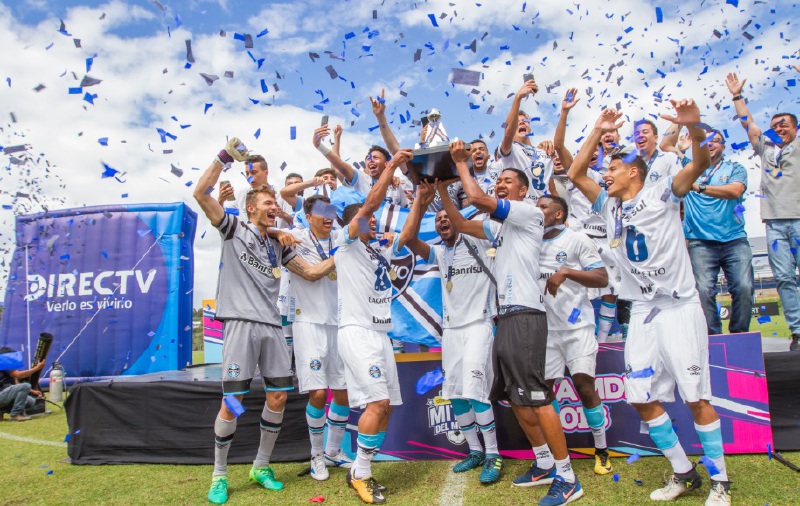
[(714, 226)]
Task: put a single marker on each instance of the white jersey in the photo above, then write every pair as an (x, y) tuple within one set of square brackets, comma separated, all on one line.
[(576, 251), (363, 183), (581, 216), (314, 301), (488, 178), (518, 241), (652, 261), (661, 166), (472, 296), (365, 290), (534, 163)]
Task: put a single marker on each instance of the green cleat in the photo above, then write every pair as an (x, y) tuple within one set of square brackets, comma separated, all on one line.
[(218, 494), (265, 477), (491, 469), (471, 461)]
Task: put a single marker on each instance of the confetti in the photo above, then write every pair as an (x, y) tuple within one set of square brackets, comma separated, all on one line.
[(234, 405), (573, 317), (466, 77), (633, 458)]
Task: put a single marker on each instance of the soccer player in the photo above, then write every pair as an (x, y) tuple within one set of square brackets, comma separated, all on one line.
[(660, 164), (247, 291), (582, 218), (323, 183), (668, 339), (519, 347), (313, 307), (570, 264), (516, 150), (365, 293), (468, 307)]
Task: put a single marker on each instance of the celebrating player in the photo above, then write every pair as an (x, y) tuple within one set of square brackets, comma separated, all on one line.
[(668, 340), (468, 306), (313, 306), (247, 292), (570, 264), (518, 353), (364, 279)]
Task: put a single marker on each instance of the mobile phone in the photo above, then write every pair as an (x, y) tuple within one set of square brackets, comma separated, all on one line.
[(221, 183), (528, 77), (424, 120), (324, 120)]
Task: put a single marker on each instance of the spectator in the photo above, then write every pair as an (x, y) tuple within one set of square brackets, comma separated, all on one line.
[(14, 394), (779, 150), (714, 228)]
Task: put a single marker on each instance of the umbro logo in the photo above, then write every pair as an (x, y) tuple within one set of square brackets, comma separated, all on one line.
[(694, 370)]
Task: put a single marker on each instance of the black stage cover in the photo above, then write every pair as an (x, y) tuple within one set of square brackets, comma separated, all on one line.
[(783, 380), (168, 418)]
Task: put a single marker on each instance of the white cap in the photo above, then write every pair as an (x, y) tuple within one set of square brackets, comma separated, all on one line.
[(434, 113)]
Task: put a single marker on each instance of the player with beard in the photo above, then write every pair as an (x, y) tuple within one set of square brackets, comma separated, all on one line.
[(570, 264), (250, 270), (648, 247), (516, 150), (468, 307), (519, 347), (364, 279), (582, 218), (313, 307)]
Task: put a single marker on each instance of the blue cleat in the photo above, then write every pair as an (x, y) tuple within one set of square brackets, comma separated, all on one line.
[(535, 476), (562, 492)]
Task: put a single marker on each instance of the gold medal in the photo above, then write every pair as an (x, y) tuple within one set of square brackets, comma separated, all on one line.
[(449, 285), (392, 274), (615, 242), (491, 252), (332, 275), (276, 272), (537, 171)]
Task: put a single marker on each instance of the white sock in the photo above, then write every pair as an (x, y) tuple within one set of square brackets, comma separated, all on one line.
[(337, 423), (467, 423), (544, 459), (564, 469), (599, 435), (606, 317), (367, 449), (711, 438), (315, 417), (485, 421)]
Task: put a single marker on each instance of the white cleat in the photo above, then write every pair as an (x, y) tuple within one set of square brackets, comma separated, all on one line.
[(338, 460), (677, 485), (720, 493), (319, 471)]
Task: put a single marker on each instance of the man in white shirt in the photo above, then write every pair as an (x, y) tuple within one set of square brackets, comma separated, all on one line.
[(365, 293), (660, 164), (519, 348), (655, 272)]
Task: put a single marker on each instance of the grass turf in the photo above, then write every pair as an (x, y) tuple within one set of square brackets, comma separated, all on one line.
[(24, 466)]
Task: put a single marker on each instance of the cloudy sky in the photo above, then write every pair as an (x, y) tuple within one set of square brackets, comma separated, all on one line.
[(327, 57)]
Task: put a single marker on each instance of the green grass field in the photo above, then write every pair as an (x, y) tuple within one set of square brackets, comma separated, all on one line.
[(24, 466)]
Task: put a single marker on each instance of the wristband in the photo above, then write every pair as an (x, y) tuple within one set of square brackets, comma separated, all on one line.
[(737, 97), (323, 149)]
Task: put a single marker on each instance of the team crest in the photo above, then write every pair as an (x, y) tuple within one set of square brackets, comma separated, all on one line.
[(234, 371), (375, 371), (315, 364), (654, 176), (561, 257), (725, 179)]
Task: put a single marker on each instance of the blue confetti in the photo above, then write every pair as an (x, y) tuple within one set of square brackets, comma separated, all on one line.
[(643, 373), (573, 317), (633, 458), (429, 380), (207, 107), (103, 141), (433, 20), (712, 469), (764, 319), (773, 136), (234, 405), (659, 15), (293, 133), (257, 134)]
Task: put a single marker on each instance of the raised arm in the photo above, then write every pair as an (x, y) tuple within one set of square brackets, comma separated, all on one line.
[(457, 220), (476, 196), (607, 122), (688, 114), (337, 140), (379, 110), (512, 120), (561, 128), (234, 150), (735, 86), (378, 191), (289, 193), (408, 236), (337, 163)]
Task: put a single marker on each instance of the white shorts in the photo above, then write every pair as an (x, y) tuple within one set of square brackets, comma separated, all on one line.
[(316, 356), (575, 349), (467, 362), (671, 349), (601, 243), (369, 367)]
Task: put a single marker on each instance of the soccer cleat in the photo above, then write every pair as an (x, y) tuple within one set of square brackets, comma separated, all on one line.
[(624, 327), (677, 485), (562, 492), (720, 494), (218, 494), (471, 461), (265, 477), (491, 469), (339, 460), (535, 476), (602, 462), (319, 471), (795, 344), (367, 488)]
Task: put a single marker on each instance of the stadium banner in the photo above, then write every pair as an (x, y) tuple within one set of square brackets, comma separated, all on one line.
[(424, 427), (113, 284)]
